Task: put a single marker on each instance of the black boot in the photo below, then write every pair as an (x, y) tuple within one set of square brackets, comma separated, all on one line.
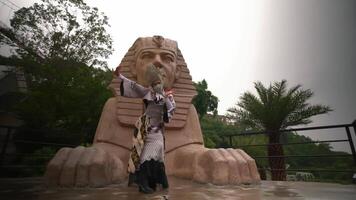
[(143, 183), (152, 184), (132, 179), (145, 189), (162, 177), (164, 181)]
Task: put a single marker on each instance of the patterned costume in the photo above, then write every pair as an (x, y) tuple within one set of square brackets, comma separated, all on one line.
[(146, 162)]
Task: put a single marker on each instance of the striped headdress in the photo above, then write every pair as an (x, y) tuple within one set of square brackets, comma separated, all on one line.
[(128, 109)]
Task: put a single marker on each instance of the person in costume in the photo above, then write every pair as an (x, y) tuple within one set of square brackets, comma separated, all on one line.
[(146, 163)]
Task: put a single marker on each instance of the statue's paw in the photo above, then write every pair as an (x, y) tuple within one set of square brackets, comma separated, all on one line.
[(82, 166), (225, 166)]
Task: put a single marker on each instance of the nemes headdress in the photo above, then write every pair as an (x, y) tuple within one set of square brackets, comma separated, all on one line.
[(155, 42), (129, 109)]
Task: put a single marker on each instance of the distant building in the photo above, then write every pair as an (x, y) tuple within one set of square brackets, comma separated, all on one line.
[(13, 89), (304, 176), (291, 177)]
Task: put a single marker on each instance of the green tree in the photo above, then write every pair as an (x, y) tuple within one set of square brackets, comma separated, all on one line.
[(205, 101), (60, 44), (214, 128), (313, 163), (59, 29), (70, 96), (274, 108)]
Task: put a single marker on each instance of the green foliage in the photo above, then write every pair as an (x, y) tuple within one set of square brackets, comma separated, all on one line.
[(205, 101), (37, 161), (58, 44), (213, 128), (87, 144), (60, 29), (313, 163), (276, 107), (67, 96), (243, 142)]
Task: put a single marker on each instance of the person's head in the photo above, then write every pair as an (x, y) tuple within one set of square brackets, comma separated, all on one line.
[(160, 52), (154, 78)]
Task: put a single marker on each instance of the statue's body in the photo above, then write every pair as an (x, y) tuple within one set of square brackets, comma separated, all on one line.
[(186, 157)]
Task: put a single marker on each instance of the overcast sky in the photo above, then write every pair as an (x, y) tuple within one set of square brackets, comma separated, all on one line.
[(234, 43)]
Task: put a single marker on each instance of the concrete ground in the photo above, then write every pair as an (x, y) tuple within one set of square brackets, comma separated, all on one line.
[(33, 188)]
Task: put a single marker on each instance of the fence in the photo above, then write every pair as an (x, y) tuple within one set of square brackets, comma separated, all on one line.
[(11, 159), (10, 130), (349, 140)]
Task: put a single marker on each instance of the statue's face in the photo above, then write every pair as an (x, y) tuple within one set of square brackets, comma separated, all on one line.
[(165, 60)]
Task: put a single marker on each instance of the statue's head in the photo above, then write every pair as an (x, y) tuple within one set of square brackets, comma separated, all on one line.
[(164, 54), (160, 52)]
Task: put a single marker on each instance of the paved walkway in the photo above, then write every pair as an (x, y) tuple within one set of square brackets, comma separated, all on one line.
[(32, 188)]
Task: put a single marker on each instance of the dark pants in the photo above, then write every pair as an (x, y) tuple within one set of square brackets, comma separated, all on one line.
[(150, 174)]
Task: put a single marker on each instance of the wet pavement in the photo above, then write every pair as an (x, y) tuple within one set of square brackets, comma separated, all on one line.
[(33, 188)]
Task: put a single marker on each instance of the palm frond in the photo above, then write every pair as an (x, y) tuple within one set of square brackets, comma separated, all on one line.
[(302, 116), (292, 90), (261, 91), (279, 88), (276, 107)]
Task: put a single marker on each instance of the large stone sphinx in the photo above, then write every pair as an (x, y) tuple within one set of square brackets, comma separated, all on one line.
[(186, 157)]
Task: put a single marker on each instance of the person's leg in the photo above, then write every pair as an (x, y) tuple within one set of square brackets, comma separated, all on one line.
[(133, 178), (153, 174), (151, 153), (163, 176), (143, 178), (152, 183)]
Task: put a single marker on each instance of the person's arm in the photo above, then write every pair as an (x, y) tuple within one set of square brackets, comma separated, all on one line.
[(129, 88), (170, 106)]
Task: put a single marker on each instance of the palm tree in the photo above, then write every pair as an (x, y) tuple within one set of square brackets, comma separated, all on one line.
[(275, 108)]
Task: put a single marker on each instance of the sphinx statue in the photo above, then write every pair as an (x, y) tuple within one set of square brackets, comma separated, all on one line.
[(106, 161)]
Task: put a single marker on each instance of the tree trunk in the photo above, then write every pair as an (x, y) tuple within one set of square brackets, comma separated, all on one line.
[(276, 164)]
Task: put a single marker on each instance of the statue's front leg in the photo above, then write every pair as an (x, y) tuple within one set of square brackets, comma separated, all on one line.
[(103, 163), (81, 166), (217, 166)]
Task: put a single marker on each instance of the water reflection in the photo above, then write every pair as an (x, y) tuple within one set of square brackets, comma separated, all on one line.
[(179, 189), (281, 189), (28, 189)]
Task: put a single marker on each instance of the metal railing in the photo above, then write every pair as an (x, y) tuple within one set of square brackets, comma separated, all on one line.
[(10, 130), (349, 140), (7, 138)]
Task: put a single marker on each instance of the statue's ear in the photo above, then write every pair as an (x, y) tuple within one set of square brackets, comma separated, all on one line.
[(178, 70)]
